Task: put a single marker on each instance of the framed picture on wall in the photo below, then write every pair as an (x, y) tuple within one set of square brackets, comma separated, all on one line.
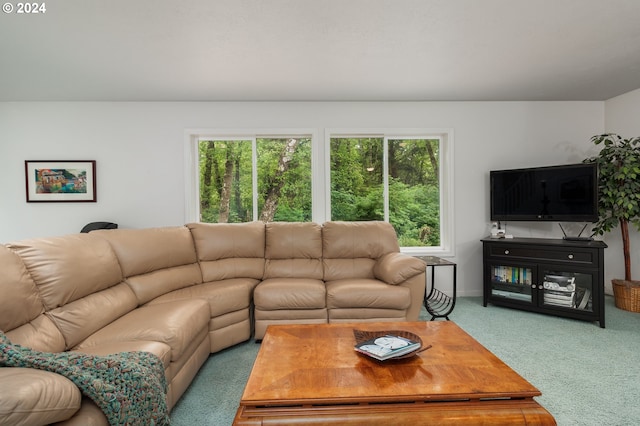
[(60, 181)]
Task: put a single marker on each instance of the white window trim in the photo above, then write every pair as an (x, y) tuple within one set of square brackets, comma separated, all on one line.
[(192, 166), (446, 174)]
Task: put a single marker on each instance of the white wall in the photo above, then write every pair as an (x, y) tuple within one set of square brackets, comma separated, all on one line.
[(622, 116), (140, 157)]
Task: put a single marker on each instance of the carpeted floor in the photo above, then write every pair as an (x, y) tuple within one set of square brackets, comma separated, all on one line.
[(587, 375)]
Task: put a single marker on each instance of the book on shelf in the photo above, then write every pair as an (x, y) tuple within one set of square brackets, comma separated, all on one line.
[(385, 347), (551, 294), (560, 298), (555, 302), (512, 275)]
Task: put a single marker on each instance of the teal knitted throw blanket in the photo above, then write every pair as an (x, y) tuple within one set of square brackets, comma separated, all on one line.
[(129, 387)]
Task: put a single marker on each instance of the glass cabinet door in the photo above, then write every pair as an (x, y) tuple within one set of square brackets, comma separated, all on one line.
[(571, 290), (512, 282)]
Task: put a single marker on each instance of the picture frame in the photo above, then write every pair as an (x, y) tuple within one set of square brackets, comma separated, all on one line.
[(49, 181)]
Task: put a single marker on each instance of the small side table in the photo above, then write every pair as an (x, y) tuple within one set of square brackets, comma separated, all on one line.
[(438, 303)]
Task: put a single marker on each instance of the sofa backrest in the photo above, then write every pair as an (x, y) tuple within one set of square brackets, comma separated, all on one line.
[(229, 250), (154, 261), (350, 249), (293, 250), (22, 316), (79, 280)]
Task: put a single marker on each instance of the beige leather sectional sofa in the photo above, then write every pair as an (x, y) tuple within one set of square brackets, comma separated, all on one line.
[(183, 293)]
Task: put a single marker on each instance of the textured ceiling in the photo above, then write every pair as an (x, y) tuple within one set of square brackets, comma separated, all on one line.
[(321, 50)]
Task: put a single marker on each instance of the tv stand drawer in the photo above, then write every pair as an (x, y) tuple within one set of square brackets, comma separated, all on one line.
[(587, 256)]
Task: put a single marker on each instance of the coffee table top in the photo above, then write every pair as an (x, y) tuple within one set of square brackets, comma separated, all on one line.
[(316, 364)]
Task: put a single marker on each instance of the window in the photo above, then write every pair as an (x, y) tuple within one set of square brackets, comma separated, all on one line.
[(399, 177), (257, 178), (403, 177)]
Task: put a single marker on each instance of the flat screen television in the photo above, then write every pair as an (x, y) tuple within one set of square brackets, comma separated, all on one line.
[(567, 193)]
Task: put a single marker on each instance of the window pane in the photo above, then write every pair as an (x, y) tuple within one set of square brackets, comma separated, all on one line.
[(225, 181), (414, 191), (283, 175), (357, 179), (284, 179), (357, 185)]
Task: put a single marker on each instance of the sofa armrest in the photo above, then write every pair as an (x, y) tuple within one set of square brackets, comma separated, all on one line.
[(35, 397), (396, 268)]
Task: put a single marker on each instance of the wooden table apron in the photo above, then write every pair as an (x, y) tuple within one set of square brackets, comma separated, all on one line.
[(310, 374)]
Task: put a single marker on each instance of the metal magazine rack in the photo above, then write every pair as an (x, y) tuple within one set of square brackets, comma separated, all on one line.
[(438, 303)]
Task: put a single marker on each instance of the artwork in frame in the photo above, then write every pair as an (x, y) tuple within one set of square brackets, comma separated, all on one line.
[(60, 181)]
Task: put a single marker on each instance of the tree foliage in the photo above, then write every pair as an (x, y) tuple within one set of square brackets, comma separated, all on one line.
[(357, 185)]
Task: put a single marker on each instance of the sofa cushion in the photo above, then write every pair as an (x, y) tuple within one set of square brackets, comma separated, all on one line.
[(223, 296), (155, 261), (366, 293), (89, 414), (395, 268), (80, 318), (148, 286), (34, 397), (41, 334), (293, 250), (145, 250), (229, 250), (20, 302), (343, 269), (175, 323), (289, 294), (350, 249), (349, 240), (79, 280), (21, 308), (70, 267)]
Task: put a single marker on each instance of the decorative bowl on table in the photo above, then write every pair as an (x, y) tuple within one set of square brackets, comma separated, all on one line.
[(362, 336)]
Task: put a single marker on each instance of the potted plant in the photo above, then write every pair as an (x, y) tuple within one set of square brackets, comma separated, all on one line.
[(619, 204)]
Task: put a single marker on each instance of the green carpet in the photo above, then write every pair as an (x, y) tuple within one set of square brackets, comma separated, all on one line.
[(587, 375)]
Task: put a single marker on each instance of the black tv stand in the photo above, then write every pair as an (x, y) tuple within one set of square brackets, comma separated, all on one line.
[(550, 276)]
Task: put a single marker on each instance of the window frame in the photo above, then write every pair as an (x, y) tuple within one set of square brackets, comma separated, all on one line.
[(192, 166), (445, 155), (321, 170)]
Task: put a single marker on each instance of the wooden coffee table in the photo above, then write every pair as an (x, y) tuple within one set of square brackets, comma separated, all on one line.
[(311, 375)]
